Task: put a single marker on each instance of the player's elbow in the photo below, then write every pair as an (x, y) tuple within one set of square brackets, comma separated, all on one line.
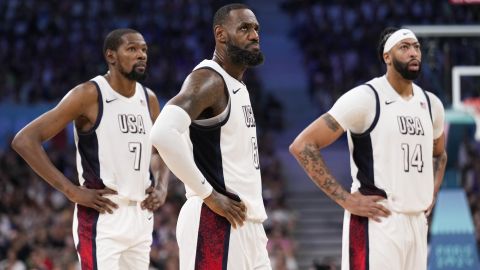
[(20, 142), (302, 146), (295, 147), (442, 156)]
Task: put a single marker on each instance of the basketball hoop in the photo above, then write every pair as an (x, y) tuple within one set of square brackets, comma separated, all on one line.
[(472, 106)]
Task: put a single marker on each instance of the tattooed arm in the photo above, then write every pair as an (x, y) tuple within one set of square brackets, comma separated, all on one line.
[(439, 161), (439, 164), (306, 149)]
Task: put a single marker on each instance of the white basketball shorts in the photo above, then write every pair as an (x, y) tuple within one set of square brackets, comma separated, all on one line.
[(208, 242), (120, 240), (399, 242)]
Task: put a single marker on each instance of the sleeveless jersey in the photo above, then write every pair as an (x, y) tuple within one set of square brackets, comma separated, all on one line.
[(225, 147), (393, 158), (116, 152)]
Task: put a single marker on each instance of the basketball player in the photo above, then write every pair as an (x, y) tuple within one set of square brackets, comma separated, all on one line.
[(113, 116), (206, 135), (393, 128)]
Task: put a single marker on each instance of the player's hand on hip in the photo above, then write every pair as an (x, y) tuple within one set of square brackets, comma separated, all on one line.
[(94, 198), (235, 212), (155, 199), (367, 206)]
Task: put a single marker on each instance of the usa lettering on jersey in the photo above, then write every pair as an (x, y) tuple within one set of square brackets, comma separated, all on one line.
[(248, 114), (129, 123), (410, 125)]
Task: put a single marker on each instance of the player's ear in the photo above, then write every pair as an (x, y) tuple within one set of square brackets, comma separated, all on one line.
[(220, 34), (386, 58), (110, 56)]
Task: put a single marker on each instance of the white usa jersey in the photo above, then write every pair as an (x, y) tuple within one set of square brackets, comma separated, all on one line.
[(225, 147), (393, 158), (116, 152)]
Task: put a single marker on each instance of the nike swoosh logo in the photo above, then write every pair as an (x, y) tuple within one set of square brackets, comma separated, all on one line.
[(235, 91), (110, 100), (149, 218), (203, 181), (389, 102)]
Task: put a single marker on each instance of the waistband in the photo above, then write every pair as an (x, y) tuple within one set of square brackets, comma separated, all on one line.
[(255, 220), (122, 201), (248, 219), (389, 205), (388, 201)]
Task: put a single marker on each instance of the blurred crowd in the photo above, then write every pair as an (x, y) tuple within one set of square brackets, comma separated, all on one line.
[(469, 167), (48, 47), (338, 40)]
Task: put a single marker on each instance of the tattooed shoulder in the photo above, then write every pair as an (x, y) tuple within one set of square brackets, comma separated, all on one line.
[(331, 122)]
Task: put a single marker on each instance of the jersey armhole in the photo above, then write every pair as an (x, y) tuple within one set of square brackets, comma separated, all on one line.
[(147, 99), (99, 114), (223, 121), (429, 104), (377, 114)]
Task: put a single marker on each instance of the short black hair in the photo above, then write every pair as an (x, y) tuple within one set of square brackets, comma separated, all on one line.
[(386, 33), (222, 13), (114, 39)]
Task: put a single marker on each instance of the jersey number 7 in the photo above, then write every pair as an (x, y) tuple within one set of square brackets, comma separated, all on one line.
[(136, 148)]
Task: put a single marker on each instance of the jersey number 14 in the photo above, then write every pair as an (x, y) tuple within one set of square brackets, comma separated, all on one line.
[(414, 159)]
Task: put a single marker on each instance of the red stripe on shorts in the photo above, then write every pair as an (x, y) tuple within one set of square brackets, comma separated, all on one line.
[(213, 241), (87, 232), (358, 243)]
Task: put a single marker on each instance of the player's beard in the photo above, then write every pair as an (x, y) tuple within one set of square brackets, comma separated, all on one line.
[(407, 74), (134, 75), (244, 57)]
